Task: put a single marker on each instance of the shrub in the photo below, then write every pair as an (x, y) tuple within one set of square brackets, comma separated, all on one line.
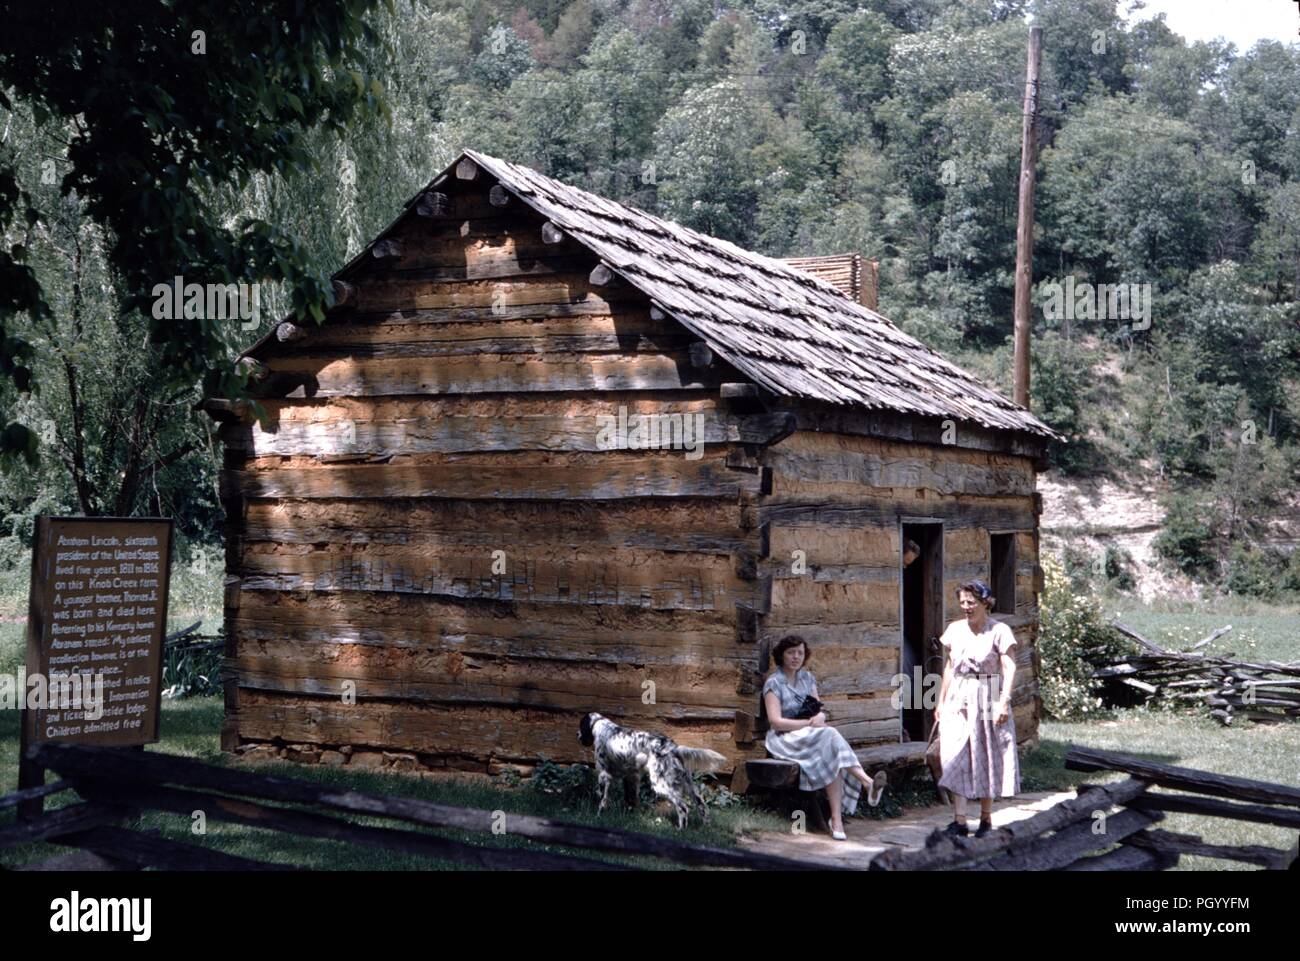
[(1291, 577), (1078, 566), (189, 673), (1258, 573), (1070, 630), (573, 784), (1061, 394), (716, 795), (1085, 569), (1187, 540), (1118, 566)]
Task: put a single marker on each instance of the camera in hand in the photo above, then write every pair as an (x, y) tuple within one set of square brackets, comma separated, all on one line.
[(810, 707)]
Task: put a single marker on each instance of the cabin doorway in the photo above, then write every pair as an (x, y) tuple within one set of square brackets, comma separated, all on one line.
[(921, 573)]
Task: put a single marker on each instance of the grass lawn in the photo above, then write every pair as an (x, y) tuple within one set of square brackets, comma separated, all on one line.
[(190, 728), (1259, 632)]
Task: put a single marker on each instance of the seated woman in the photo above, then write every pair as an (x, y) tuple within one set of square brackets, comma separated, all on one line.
[(825, 759)]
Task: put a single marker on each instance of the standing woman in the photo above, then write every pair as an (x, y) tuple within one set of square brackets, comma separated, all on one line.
[(977, 733), (824, 757)]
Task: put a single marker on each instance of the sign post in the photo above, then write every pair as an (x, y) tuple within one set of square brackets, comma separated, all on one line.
[(96, 620)]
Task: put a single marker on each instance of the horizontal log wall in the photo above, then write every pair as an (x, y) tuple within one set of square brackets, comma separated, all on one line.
[(833, 529), (438, 560)]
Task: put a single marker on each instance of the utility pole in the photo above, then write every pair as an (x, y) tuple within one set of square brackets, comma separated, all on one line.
[(1025, 221)]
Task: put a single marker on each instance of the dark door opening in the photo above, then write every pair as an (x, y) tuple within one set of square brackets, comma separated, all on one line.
[(922, 615)]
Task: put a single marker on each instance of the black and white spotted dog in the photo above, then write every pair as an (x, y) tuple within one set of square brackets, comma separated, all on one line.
[(624, 753)]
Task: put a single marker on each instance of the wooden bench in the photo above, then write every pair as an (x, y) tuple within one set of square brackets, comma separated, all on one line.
[(781, 780), (905, 758)]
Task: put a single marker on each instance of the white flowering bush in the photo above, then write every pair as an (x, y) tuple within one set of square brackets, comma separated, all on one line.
[(1071, 630)]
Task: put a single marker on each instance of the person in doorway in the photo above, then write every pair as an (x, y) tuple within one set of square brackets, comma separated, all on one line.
[(824, 757), (977, 732)]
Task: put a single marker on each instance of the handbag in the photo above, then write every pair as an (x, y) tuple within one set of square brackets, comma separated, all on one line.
[(810, 707)]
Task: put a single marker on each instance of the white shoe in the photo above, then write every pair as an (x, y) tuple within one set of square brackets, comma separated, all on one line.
[(839, 835), (877, 789)]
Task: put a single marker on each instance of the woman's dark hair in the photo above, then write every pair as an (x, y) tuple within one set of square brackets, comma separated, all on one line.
[(980, 591), (783, 645)]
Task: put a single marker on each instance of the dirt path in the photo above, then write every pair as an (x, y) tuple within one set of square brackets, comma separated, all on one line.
[(867, 837)]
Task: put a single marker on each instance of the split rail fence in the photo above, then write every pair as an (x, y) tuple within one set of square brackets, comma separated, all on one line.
[(1264, 692), (1121, 816), (1106, 827), (115, 785)]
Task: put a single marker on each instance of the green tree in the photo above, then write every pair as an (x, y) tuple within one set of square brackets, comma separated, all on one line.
[(705, 156), (1275, 256), (1130, 195), (159, 105), (1085, 48), (1241, 343), (1261, 96), (1060, 377), (504, 57), (619, 83)]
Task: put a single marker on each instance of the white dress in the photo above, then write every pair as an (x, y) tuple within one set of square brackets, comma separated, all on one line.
[(978, 755)]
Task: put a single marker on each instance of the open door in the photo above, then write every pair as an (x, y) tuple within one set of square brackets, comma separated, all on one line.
[(921, 564)]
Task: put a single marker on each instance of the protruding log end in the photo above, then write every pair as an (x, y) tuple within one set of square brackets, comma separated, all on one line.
[(387, 250), (657, 312), (253, 369), (551, 234), (434, 204), (466, 169), (743, 727), (345, 294), (701, 354), (601, 276), (747, 625), (498, 196), (288, 333)]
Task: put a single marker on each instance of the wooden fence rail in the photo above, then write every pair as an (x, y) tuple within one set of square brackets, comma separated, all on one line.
[(116, 784), (1069, 835), (1106, 827)]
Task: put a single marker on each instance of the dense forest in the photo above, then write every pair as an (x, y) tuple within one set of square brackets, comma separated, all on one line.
[(887, 127)]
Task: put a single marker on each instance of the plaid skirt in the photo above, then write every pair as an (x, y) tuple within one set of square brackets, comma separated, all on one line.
[(822, 755), (979, 757)]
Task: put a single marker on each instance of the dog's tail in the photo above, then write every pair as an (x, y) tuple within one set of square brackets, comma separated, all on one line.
[(700, 759)]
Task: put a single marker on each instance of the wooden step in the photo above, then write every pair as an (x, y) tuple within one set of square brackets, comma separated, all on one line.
[(773, 773)]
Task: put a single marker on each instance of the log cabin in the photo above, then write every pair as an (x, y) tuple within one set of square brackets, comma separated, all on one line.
[(549, 454)]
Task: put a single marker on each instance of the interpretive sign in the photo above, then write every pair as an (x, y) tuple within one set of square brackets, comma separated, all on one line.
[(97, 617)]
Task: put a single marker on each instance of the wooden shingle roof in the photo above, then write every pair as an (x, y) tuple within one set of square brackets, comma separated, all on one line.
[(789, 332), (786, 330)]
